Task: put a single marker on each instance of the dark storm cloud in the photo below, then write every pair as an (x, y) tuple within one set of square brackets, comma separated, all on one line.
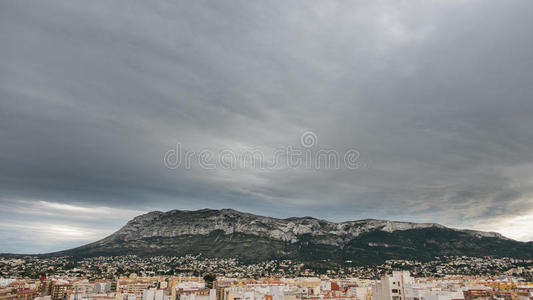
[(435, 96)]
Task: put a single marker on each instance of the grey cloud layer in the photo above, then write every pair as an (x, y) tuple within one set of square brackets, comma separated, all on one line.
[(436, 96)]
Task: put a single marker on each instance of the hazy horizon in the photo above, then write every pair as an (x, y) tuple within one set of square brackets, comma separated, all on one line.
[(207, 208)]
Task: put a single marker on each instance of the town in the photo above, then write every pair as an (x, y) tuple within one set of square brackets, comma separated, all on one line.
[(194, 277)]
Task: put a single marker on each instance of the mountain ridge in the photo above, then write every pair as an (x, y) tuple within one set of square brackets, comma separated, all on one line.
[(384, 225), (250, 237)]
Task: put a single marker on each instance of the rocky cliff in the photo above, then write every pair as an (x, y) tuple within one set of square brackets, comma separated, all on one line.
[(230, 233)]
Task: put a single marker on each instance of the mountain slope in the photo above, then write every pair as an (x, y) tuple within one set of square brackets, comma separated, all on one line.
[(229, 233)]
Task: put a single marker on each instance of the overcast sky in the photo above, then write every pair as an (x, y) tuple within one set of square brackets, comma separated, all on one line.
[(436, 97)]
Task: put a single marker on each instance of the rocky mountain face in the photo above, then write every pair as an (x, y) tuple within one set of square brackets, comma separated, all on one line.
[(229, 233)]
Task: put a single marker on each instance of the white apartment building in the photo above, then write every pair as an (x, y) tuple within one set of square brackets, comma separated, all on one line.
[(153, 294), (392, 287), (360, 292), (193, 295)]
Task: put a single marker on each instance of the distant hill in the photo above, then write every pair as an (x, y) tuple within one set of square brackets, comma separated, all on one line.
[(230, 233)]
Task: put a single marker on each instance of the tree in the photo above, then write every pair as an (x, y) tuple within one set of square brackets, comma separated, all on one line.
[(209, 278)]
